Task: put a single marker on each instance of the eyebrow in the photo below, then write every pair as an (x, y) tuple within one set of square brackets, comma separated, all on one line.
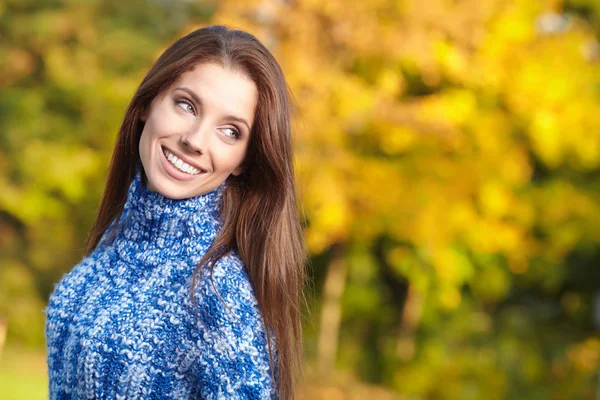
[(197, 99)]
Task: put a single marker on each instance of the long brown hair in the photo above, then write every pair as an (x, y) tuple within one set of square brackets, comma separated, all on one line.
[(259, 209)]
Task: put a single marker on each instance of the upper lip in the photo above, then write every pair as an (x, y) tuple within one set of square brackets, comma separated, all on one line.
[(184, 159)]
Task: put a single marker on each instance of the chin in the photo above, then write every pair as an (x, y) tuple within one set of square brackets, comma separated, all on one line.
[(173, 194), (173, 189)]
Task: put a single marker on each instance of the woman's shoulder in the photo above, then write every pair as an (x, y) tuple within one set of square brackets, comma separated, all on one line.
[(233, 355), (225, 293), (231, 266), (231, 272)]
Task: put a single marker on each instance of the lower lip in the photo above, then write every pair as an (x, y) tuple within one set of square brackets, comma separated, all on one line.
[(174, 172)]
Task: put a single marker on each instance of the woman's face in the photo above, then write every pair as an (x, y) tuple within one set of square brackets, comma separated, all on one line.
[(197, 131)]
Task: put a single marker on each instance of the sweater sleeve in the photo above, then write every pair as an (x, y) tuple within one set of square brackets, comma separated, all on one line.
[(233, 360)]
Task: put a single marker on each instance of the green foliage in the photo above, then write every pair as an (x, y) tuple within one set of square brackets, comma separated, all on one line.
[(69, 70), (23, 374)]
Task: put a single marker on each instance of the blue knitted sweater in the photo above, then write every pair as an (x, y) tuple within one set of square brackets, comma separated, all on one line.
[(121, 324)]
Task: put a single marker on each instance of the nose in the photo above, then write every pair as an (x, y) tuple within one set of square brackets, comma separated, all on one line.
[(195, 139)]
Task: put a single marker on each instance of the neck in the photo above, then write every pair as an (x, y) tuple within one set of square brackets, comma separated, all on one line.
[(153, 225)]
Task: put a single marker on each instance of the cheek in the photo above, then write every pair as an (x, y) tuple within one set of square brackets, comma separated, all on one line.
[(155, 129), (146, 140), (162, 122), (228, 159), (143, 145)]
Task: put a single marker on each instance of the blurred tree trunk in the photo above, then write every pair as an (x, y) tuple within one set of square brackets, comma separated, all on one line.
[(3, 329), (331, 313), (404, 297), (411, 316)]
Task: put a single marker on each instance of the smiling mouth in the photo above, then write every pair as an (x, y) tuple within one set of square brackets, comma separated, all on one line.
[(180, 164)]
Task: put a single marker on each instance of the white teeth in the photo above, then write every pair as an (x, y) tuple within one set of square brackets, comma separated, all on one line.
[(180, 165)]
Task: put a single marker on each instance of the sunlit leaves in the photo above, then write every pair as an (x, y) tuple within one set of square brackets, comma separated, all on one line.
[(440, 132)]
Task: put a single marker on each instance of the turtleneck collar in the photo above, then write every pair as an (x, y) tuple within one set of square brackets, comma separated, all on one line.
[(154, 229)]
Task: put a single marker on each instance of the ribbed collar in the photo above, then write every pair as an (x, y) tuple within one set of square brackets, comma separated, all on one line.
[(154, 229)]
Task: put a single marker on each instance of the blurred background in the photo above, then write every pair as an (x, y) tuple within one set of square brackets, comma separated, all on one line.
[(448, 160)]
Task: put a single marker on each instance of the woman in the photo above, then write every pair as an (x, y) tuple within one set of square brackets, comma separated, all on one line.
[(192, 281)]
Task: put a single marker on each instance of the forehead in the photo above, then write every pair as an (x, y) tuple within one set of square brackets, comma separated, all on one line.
[(222, 88), (212, 70)]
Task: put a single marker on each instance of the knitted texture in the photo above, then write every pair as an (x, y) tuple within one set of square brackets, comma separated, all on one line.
[(121, 324)]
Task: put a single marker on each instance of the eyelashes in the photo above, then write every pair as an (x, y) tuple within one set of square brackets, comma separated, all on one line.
[(182, 103), (185, 102), (235, 133)]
